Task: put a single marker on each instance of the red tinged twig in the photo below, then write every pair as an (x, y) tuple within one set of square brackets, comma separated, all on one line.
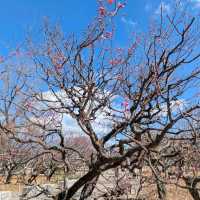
[(110, 1), (102, 11)]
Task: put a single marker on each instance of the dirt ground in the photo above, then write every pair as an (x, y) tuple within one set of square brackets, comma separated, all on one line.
[(16, 185), (173, 192)]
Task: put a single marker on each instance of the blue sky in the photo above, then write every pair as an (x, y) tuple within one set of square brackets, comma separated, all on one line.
[(19, 16)]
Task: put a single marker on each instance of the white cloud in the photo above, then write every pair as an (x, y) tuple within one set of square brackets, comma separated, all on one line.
[(176, 107), (102, 124), (164, 7), (129, 22)]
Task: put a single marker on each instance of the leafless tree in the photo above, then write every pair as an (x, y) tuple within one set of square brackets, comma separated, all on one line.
[(130, 102)]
